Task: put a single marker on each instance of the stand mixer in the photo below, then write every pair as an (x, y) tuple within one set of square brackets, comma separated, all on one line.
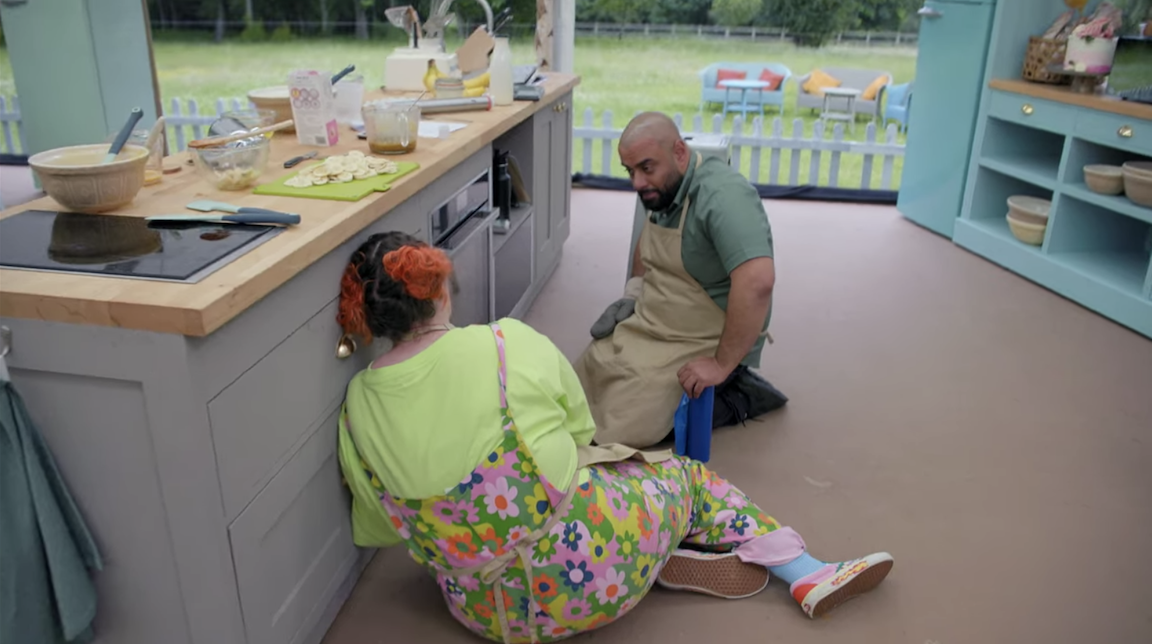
[(405, 67)]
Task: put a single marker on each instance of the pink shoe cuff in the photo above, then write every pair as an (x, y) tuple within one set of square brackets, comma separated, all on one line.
[(773, 549)]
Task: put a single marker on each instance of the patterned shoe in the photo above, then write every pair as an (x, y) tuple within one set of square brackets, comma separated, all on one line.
[(717, 574), (835, 584)]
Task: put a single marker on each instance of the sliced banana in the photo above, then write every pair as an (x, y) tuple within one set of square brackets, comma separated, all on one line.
[(353, 166)]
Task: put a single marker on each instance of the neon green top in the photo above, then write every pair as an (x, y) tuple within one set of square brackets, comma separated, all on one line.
[(426, 423)]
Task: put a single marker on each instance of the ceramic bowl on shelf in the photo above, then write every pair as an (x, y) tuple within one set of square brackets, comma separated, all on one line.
[(1032, 234), (1142, 168), (1138, 182), (1029, 209), (1104, 179)]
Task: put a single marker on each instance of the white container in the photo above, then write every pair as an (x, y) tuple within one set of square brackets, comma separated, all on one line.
[(349, 97), (1091, 55), (313, 108), (500, 73)]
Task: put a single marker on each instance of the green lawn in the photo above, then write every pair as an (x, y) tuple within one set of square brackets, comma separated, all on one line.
[(624, 76)]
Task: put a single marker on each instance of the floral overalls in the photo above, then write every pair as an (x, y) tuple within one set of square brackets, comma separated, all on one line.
[(517, 560)]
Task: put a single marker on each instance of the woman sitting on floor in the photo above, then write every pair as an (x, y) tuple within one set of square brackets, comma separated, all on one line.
[(472, 447)]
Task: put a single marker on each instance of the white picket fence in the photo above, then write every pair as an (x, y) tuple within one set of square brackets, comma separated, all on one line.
[(11, 130), (184, 122), (752, 145), (187, 122)]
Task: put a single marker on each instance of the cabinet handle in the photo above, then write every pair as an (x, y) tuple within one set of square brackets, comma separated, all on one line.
[(345, 347), (1027, 109), (1125, 131)]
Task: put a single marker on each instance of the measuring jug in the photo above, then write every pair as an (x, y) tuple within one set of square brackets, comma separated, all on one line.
[(391, 128)]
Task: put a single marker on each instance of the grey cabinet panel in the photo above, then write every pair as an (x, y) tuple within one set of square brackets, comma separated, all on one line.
[(293, 545), (221, 358), (561, 155), (512, 267), (542, 187), (258, 420), (110, 471)]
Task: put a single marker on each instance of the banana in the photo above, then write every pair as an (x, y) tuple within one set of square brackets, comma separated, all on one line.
[(480, 81), (469, 92), (431, 75)]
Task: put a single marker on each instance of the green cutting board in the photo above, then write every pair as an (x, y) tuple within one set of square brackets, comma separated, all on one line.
[(351, 191)]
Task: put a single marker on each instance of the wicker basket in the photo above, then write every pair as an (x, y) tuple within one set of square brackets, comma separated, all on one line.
[(1041, 53)]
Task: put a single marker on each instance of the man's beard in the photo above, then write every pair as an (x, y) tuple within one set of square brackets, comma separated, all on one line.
[(663, 197)]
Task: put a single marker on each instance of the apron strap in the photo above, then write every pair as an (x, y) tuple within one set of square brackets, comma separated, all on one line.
[(688, 199), (502, 358)]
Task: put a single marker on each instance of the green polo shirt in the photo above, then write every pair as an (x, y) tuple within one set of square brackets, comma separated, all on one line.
[(726, 227)]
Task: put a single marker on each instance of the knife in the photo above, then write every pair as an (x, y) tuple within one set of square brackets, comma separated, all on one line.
[(294, 161), (283, 218)]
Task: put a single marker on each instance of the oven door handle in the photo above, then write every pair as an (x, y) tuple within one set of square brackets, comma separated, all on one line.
[(479, 222)]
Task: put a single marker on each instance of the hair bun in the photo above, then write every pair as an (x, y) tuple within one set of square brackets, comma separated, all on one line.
[(421, 269)]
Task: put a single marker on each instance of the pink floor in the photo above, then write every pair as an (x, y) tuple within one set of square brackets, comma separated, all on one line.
[(994, 437)]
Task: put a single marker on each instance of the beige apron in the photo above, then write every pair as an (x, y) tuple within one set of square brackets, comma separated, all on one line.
[(630, 377)]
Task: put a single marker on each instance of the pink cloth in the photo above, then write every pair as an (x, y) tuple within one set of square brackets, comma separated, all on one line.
[(773, 549)]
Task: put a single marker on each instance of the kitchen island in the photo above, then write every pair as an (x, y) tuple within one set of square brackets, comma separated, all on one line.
[(195, 423)]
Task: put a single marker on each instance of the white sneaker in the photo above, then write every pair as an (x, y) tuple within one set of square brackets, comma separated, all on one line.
[(836, 583)]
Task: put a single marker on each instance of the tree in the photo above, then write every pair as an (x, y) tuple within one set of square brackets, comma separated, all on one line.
[(362, 7), (682, 12), (812, 22), (619, 11), (884, 15), (735, 13)]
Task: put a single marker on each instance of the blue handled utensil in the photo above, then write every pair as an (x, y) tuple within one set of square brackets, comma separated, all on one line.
[(342, 73), (266, 217), (207, 205), (122, 136)]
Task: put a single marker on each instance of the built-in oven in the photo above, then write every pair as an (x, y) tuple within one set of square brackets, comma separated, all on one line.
[(462, 228), (444, 219)]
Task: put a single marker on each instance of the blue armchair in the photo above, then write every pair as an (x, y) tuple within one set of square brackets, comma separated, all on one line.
[(710, 93), (899, 101)]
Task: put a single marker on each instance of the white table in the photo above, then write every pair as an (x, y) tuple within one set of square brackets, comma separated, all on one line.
[(828, 111), (744, 86)]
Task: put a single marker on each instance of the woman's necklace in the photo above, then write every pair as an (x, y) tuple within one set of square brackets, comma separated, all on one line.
[(425, 330)]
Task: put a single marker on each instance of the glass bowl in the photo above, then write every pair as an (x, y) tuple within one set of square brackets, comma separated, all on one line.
[(233, 166), (253, 118)]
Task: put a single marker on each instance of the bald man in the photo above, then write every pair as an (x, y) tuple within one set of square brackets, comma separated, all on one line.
[(696, 307)]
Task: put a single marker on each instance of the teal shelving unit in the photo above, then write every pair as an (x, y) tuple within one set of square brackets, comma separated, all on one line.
[(1035, 140)]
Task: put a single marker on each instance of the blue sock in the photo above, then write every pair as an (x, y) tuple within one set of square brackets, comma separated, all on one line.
[(798, 568)]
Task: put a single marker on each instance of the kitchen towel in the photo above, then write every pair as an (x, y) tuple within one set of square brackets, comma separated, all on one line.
[(46, 593)]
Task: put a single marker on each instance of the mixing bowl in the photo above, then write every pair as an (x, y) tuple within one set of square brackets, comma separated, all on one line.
[(233, 166), (274, 98), (75, 177)]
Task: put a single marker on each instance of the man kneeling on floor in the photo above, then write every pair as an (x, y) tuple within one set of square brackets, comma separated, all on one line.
[(695, 310)]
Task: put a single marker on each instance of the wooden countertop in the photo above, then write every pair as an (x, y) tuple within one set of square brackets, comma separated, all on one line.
[(1064, 94), (201, 308)]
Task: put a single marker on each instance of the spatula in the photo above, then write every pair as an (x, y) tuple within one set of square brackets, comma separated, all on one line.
[(207, 205), (268, 217), (122, 137)]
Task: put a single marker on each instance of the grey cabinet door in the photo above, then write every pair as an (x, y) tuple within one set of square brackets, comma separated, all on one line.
[(547, 247), (559, 207)]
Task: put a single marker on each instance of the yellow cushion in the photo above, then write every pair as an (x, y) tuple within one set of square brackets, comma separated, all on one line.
[(818, 81), (873, 89)]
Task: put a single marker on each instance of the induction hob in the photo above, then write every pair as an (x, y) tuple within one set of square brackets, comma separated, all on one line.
[(122, 246)]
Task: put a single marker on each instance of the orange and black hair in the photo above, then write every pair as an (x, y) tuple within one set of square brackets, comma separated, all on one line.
[(389, 286)]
